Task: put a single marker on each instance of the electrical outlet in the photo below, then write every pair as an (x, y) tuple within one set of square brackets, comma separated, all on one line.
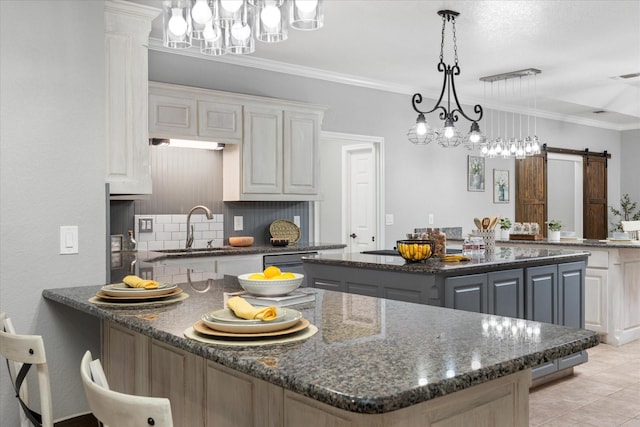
[(238, 223), (145, 225), (430, 219), (296, 220), (388, 219)]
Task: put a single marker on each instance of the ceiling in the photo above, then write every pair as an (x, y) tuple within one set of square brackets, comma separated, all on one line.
[(581, 47)]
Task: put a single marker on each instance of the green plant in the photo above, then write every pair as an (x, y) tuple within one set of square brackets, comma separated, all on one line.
[(505, 223), (625, 212), (554, 224)]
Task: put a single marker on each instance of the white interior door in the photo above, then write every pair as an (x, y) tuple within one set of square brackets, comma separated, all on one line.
[(360, 197), (345, 200)]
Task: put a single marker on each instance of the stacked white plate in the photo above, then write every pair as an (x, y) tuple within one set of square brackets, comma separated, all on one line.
[(121, 290), (225, 320)]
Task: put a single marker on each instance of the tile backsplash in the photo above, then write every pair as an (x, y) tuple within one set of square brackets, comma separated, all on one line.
[(170, 231)]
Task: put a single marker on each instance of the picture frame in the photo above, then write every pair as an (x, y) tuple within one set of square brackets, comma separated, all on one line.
[(116, 242), (501, 186), (475, 173)]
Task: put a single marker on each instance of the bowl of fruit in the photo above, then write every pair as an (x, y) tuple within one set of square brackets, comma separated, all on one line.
[(415, 250), (271, 282)]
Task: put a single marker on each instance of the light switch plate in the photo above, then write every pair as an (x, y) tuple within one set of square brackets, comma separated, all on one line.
[(431, 219), (388, 219), (68, 239), (145, 225)]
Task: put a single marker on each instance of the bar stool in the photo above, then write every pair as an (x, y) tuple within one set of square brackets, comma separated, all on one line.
[(21, 352), (120, 409)]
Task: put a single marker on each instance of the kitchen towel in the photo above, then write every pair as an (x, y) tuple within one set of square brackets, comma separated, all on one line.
[(243, 309), (137, 282)]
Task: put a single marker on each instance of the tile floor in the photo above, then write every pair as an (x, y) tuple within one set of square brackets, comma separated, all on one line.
[(603, 392)]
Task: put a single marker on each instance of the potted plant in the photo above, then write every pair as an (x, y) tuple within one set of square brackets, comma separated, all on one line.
[(554, 226), (505, 228)]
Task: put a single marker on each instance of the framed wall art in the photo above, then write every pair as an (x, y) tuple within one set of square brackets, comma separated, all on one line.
[(500, 186), (475, 173)]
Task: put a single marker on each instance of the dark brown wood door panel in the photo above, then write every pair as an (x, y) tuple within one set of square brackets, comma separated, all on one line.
[(595, 209), (531, 190)]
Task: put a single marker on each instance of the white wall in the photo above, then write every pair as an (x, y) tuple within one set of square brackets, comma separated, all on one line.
[(51, 174), (419, 179)]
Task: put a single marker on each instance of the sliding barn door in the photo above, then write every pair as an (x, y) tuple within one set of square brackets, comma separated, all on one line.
[(531, 190), (595, 209)]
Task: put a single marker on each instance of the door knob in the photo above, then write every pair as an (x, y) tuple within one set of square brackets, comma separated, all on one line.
[(353, 235)]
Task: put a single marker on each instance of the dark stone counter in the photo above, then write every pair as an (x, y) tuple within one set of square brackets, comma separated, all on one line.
[(370, 355), (502, 258)]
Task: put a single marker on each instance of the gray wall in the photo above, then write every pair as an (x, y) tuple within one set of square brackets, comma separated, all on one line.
[(419, 179), (52, 169), (630, 174)]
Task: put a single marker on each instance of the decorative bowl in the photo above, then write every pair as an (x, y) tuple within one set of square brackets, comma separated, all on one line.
[(415, 250), (270, 287), (241, 241)]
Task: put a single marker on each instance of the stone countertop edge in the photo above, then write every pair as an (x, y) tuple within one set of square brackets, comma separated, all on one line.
[(152, 256), (588, 243), (436, 266), (561, 341)]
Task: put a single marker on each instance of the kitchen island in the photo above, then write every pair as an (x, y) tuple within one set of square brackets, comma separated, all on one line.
[(540, 284), (373, 362)]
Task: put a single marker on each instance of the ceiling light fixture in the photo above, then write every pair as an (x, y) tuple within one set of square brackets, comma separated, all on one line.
[(514, 147), (448, 136), (232, 26)]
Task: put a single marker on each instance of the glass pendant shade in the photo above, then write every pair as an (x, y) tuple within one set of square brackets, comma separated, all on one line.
[(241, 41), (214, 40), (177, 24), (201, 14), (306, 14), (421, 133), (271, 21)]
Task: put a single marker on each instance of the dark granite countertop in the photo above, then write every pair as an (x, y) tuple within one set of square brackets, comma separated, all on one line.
[(502, 258), (370, 355), (152, 256), (586, 243)]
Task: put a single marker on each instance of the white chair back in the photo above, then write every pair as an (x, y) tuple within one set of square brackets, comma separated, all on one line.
[(120, 409), (23, 352)]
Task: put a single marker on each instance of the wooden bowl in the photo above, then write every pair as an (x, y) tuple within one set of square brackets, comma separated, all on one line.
[(241, 241)]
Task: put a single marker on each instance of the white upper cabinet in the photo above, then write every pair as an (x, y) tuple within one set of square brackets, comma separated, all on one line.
[(196, 114), (278, 158), (127, 28), (272, 144)]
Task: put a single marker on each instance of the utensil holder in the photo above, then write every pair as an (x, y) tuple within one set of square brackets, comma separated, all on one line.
[(489, 237)]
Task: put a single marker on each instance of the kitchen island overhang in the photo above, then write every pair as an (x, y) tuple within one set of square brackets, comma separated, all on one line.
[(401, 356)]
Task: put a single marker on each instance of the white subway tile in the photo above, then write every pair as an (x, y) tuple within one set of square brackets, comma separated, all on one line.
[(164, 236), (171, 244), (179, 218), (156, 245), (163, 219), (171, 227)]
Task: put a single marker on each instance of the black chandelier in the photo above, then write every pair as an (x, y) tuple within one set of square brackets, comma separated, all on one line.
[(448, 136)]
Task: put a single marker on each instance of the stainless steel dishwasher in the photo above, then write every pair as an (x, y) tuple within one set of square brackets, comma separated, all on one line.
[(288, 262)]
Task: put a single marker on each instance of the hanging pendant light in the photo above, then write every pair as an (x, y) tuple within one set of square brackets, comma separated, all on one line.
[(448, 135), (518, 147), (219, 27)]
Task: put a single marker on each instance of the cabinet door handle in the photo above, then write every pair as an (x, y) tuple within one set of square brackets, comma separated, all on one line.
[(353, 235)]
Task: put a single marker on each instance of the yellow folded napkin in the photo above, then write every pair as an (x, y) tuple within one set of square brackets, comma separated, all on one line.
[(137, 282), (455, 258), (243, 309)]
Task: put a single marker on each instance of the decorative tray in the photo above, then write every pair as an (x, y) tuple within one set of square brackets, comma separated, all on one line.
[(525, 236), (285, 229)]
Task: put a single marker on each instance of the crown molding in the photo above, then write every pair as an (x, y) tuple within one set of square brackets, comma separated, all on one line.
[(315, 73)]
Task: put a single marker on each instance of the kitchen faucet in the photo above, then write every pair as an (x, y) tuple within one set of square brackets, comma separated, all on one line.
[(207, 211)]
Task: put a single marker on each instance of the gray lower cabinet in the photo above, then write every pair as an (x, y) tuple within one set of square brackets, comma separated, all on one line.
[(555, 294), (500, 293), (467, 293)]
